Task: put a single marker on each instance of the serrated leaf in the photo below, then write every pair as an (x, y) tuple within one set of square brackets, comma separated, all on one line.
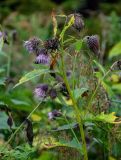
[(115, 51), (109, 118), (31, 75)]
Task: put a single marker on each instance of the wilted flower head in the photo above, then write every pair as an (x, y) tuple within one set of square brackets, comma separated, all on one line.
[(78, 21), (41, 91), (53, 93), (93, 44), (33, 45), (43, 59), (52, 115), (51, 44)]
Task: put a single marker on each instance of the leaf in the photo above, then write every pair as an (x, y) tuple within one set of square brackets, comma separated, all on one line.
[(115, 51), (31, 75), (101, 68), (19, 102), (78, 92), (109, 118)]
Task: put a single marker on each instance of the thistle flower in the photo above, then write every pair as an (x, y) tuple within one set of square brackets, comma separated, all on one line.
[(93, 44), (33, 45), (78, 21), (43, 59), (51, 44), (41, 91), (52, 115)]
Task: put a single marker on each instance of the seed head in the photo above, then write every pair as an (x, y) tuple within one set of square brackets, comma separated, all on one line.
[(93, 44), (41, 91)]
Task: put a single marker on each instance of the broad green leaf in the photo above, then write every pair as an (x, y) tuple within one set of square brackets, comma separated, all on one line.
[(78, 92), (31, 75), (101, 68), (115, 51)]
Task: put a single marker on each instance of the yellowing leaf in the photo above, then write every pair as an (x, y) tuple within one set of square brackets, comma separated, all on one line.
[(109, 118)]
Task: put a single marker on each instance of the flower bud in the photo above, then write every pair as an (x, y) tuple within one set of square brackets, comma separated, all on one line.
[(93, 44), (78, 21)]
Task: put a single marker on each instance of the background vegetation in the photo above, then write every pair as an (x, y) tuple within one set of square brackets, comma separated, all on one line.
[(54, 139)]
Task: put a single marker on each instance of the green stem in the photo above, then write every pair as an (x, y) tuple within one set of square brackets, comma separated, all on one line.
[(77, 112), (12, 136)]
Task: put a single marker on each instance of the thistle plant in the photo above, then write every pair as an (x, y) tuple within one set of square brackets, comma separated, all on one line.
[(65, 61)]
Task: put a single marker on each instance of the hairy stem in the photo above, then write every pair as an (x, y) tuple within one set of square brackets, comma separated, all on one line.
[(77, 112)]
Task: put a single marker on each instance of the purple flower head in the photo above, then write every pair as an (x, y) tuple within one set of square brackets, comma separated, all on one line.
[(52, 115), (51, 44), (43, 59), (93, 44), (41, 91), (33, 45)]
